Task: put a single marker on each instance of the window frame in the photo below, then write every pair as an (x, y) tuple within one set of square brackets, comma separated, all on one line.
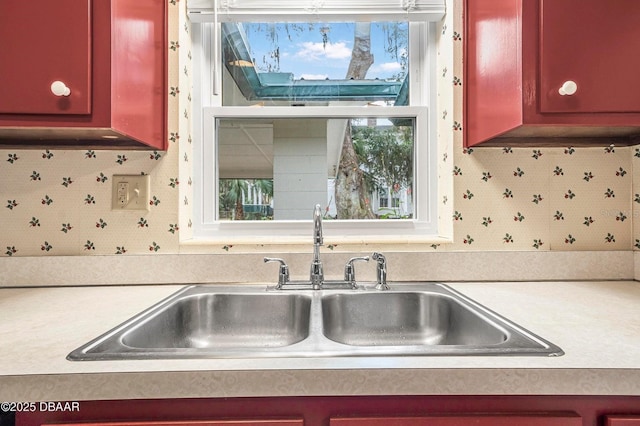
[(207, 109)]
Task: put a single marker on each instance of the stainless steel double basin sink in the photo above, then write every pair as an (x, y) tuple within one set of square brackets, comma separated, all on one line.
[(249, 321)]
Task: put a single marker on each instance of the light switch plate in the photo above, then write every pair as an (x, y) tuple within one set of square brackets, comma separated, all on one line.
[(130, 192)]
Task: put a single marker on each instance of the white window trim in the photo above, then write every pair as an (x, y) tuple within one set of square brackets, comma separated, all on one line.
[(423, 228), (323, 10)]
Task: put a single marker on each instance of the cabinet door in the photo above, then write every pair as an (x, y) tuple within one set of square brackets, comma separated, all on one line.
[(493, 68), (466, 420), (256, 422), (44, 41), (595, 44), (622, 420)]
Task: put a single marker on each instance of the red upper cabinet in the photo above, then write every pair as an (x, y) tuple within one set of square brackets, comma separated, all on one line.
[(32, 60), (83, 72), (594, 44), (551, 68)]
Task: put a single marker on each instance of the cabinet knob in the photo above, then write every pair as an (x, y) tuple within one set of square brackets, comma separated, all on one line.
[(58, 88), (568, 88)]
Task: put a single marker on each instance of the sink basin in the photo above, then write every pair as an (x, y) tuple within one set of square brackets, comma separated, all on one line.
[(251, 321), (225, 321), (200, 321), (386, 318)]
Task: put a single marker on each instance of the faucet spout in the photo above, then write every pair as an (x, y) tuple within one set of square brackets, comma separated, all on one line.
[(317, 274), (317, 225)]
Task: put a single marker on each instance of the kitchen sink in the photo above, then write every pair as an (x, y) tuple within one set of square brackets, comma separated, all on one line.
[(212, 320), (405, 318), (204, 321)]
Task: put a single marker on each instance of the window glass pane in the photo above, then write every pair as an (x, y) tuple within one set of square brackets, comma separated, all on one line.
[(315, 63), (277, 169)]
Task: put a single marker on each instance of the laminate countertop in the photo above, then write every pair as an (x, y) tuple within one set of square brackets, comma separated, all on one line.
[(596, 323)]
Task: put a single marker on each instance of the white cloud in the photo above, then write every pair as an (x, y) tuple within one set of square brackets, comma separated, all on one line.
[(314, 76), (389, 67), (317, 51)]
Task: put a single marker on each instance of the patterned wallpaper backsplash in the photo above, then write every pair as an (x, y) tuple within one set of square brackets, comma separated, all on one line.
[(58, 202)]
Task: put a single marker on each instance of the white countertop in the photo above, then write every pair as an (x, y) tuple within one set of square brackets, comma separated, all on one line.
[(597, 324)]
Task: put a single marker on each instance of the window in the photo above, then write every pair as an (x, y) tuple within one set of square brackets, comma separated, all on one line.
[(290, 163), (302, 64), (318, 111)]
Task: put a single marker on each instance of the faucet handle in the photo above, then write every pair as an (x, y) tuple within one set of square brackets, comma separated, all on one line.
[(381, 271), (350, 270), (283, 274)]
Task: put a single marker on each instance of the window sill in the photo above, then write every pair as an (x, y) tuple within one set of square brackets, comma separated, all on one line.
[(296, 244)]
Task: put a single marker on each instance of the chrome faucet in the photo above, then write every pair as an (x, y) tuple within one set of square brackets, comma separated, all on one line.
[(317, 274)]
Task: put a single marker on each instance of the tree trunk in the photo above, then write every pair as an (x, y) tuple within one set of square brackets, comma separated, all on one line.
[(352, 198), (361, 56), (239, 209)]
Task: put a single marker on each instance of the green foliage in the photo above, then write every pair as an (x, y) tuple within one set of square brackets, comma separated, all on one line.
[(232, 192), (385, 155)]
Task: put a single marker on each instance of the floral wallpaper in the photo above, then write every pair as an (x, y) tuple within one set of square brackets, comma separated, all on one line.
[(514, 198), (554, 199), (58, 202)]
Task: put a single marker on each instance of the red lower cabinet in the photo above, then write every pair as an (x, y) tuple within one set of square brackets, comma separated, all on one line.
[(623, 420), (475, 420), (424, 410), (253, 422)]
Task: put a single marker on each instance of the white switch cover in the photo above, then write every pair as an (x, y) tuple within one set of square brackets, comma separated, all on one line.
[(130, 192)]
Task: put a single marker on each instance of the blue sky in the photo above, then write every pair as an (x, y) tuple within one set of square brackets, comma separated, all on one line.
[(303, 52)]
